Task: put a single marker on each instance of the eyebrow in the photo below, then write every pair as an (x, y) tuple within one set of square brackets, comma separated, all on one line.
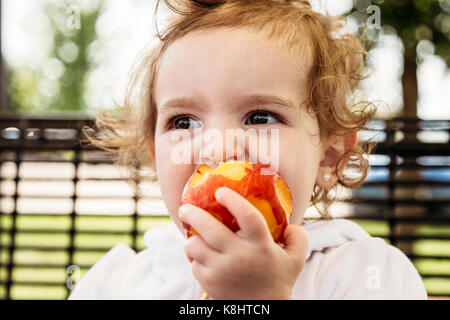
[(245, 101)]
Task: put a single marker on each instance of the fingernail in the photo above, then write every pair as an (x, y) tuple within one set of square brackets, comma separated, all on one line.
[(183, 209), (219, 193)]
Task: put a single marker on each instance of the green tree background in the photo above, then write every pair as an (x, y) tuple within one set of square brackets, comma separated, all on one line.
[(73, 31), (412, 21)]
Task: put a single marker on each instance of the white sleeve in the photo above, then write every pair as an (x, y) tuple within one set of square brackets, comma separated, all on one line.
[(101, 282), (369, 269)]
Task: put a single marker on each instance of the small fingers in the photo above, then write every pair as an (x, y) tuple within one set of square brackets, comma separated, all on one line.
[(197, 249), (250, 220), (296, 243), (212, 231), (201, 273)]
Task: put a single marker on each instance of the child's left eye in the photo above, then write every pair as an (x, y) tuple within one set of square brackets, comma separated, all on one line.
[(262, 117)]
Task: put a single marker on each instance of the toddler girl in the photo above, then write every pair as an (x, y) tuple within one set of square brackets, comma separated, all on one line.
[(240, 65)]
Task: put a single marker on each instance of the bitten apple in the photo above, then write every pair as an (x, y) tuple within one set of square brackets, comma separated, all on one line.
[(257, 183)]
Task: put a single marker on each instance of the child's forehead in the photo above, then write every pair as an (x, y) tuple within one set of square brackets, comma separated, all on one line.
[(231, 60), (246, 41)]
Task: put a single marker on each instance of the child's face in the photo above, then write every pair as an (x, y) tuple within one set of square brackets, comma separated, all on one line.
[(217, 69)]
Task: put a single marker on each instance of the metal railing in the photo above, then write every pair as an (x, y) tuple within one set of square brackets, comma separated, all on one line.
[(52, 188)]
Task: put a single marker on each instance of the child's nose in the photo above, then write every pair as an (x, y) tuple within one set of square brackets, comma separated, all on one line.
[(223, 144)]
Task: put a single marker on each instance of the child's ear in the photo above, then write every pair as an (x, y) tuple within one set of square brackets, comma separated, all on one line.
[(335, 147), (150, 147)]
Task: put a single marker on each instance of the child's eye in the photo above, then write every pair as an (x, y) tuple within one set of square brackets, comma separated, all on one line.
[(262, 117), (180, 121), (256, 117)]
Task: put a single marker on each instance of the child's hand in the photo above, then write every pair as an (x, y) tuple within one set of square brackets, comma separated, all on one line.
[(247, 264)]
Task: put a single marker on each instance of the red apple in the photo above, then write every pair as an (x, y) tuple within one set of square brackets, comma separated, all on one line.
[(268, 192)]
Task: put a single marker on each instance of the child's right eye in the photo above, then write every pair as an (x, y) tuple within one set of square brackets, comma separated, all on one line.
[(180, 121)]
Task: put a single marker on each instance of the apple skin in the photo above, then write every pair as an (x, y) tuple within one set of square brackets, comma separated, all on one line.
[(268, 192)]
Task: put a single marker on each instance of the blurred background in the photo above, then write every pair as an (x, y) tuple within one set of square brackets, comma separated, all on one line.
[(62, 206)]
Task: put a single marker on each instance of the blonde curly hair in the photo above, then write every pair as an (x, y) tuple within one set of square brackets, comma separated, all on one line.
[(338, 62)]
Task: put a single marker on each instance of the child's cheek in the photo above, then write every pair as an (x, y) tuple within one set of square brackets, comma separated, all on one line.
[(299, 170), (172, 179)]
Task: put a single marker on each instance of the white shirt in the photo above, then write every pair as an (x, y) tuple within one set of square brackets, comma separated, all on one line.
[(343, 262)]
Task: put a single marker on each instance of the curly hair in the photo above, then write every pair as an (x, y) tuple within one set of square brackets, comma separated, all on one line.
[(338, 63)]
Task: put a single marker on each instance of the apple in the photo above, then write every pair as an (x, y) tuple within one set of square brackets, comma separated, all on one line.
[(260, 185)]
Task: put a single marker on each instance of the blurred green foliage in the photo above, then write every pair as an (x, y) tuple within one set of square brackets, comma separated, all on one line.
[(420, 20), (411, 20), (73, 30)]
